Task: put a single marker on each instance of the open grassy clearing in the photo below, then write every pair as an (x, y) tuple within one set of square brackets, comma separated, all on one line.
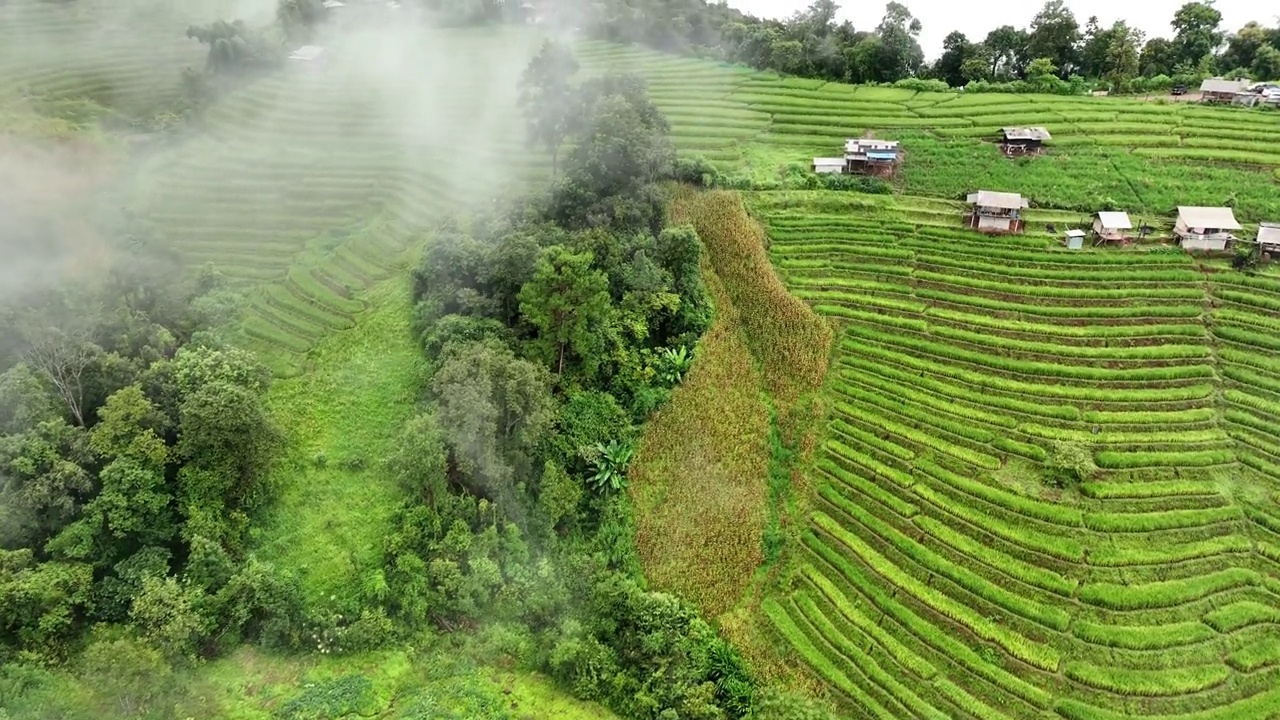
[(968, 369), (328, 524), (1141, 156)]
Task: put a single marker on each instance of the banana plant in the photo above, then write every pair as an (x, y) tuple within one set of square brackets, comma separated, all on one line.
[(611, 466), (675, 363)]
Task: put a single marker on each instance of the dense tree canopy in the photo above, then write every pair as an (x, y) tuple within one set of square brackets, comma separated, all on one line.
[(813, 43)]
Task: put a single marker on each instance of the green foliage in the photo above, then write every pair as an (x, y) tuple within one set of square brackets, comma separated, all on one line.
[(558, 496), (676, 362), (611, 462), (331, 699), (493, 409), (1069, 463), (546, 98), (567, 301)]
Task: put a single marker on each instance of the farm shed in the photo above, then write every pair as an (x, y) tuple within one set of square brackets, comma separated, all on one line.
[(828, 165), (1075, 239), (868, 156), (996, 212), (1111, 226), (1205, 228), (1023, 139), (1269, 238), (1219, 90)]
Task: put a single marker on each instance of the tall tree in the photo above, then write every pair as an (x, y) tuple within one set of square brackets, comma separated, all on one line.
[(899, 54), (1243, 46), (1196, 31), (1266, 64), (568, 302), (1055, 35), (494, 409), (546, 97), (1122, 54), (1008, 48), (1093, 48), (1159, 57), (63, 357), (956, 50)]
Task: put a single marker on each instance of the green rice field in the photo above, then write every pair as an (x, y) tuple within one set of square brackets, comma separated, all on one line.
[(1046, 485)]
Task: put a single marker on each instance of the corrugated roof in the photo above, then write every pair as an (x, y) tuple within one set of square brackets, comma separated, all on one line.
[(989, 198), (1075, 233), (1268, 233), (829, 161), (1115, 220), (1220, 218), (853, 145), (1218, 85), (1026, 133)]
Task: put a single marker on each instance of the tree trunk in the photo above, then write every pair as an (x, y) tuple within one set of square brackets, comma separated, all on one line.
[(560, 365)]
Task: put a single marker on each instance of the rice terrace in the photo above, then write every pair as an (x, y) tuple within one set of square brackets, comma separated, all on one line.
[(805, 443)]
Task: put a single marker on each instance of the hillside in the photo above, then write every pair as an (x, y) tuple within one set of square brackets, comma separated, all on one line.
[(1140, 156), (1047, 485)]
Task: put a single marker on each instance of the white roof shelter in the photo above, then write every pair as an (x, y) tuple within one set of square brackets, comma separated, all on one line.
[(856, 145), (1269, 234), (1115, 220), (1075, 233), (307, 52), (829, 165), (1003, 200), (1218, 85), (1219, 218), (1026, 133)]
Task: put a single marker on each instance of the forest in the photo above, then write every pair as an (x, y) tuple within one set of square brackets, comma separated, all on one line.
[(136, 448), (1043, 57)]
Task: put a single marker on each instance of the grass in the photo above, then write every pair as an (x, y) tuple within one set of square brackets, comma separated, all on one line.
[(250, 685), (334, 502)]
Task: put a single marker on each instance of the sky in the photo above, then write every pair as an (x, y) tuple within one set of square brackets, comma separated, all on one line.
[(976, 19)]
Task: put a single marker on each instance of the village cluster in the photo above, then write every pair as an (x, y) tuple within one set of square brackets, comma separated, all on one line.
[(1208, 229)]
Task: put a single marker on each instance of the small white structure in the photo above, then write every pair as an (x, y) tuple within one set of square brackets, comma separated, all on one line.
[(1075, 239), (1219, 90), (307, 53), (863, 156), (1205, 228), (1019, 140), (1111, 226), (996, 212), (1269, 238), (828, 165)]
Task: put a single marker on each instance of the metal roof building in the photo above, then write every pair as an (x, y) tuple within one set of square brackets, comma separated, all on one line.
[(1220, 86), (1037, 134), (1114, 220), (1002, 200), (1215, 218)]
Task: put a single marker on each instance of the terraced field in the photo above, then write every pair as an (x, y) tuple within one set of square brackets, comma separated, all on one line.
[(945, 573), (120, 55), (1132, 154), (309, 184)]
